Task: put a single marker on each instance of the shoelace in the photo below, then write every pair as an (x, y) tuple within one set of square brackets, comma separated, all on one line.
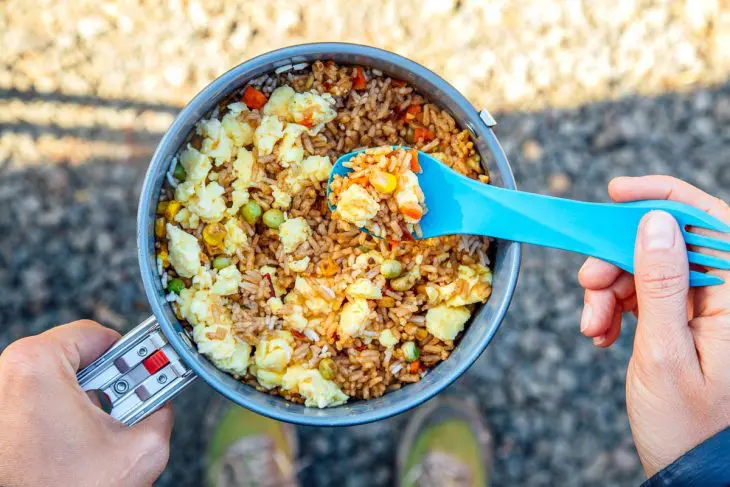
[(440, 470), (256, 462)]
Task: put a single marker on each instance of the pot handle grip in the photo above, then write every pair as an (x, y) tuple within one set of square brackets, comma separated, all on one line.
[(138, 374)]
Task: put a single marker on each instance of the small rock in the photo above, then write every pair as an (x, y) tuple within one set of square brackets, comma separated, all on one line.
[(532, 150), (559, 184)]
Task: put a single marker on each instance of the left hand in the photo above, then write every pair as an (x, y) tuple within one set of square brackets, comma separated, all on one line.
[(51, 433)]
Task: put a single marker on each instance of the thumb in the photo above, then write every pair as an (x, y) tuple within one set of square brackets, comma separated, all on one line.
[(661, 272)]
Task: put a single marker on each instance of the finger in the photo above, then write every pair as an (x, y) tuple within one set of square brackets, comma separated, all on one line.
[(149, 444), (597, 274), (81, 342), (662, 288), (667, 188), (612, 334), (601, 305)]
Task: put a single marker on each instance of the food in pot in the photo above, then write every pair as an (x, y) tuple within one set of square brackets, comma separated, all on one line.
[(275, 290), (382, 193)]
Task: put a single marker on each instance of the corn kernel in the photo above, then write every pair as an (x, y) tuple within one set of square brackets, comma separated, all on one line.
[(160, 230), (383, 182), (164, 257), (161, 207), (328, 267), (172, 208), (214, 234)]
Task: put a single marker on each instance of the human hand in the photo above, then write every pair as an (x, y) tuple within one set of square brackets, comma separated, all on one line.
[(677, 384), (53, 434)]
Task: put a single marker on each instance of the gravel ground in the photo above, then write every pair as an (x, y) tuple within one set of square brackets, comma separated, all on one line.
[(581, 95)]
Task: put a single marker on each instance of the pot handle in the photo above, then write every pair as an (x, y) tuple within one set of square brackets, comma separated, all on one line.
[(138, 374)]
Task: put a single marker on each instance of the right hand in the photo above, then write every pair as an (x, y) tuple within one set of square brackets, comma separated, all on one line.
[(678, 380), (50, 431)]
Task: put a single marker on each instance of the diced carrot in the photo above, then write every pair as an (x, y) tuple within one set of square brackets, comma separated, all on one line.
[(415, 166), (412, 211), (359, 82), (411, 112), (307, 122), (360, 181), (393, 244), (298, 334), (414, 367), (423, 134), (253, 98)]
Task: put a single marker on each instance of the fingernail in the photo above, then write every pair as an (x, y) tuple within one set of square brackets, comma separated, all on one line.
[(586, 318), (659, 231)]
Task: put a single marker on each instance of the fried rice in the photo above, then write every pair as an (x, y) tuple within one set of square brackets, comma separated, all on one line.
[(294, 302)]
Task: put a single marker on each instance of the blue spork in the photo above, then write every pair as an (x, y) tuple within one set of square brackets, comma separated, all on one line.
[(460, 205)]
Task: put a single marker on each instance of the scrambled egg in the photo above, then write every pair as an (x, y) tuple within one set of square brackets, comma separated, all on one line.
[(184, 251), (196, 165), (315, 389), (240, 132), (267, 134), (227, 281), (202, 307), (278, 290), (364, 288), (357, 206), (313, 109), (187, 219), (228, 353), (294, 232), (304, 294), (295, 319), (316, 168), (409, 193), (274, 304), (354, 317), (185, 191), (313, 168), (272, 356), (445, 322), (387, 338), (243, 165), (243, 169), (291, 151), (369, 258), (216, 144), (235, 237), (278, 104), (208, 202), (282, 199), (203, 279), (299, 265), (478, 281)]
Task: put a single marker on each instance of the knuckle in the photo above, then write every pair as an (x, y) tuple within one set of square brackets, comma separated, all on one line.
[(663, 280), (23, 356)]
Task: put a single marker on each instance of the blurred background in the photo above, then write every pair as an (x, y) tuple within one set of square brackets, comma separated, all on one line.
[(582, 90)]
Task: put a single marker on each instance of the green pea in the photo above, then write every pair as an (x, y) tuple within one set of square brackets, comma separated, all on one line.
[(251, 212), (273, 218), (390, 268), (175, 285), (179, 172), (410, 352), (221, 262), (327, 368)]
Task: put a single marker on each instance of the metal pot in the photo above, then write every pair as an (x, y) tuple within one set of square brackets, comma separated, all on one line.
[(157, 360)]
